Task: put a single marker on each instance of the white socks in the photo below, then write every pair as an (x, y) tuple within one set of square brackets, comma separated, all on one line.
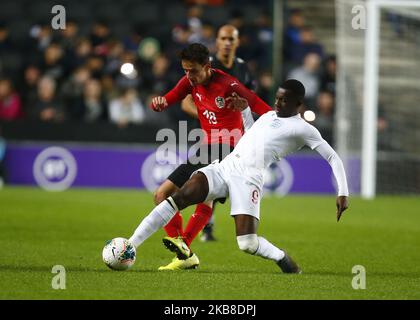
[(163, 213), (268, 250), (248, 243), (156, 219), (252, 244)]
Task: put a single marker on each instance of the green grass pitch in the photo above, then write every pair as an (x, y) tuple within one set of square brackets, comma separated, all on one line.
[(39, 230)]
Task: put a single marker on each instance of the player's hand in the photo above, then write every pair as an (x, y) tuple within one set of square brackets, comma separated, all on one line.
[(342, 203), (159, 104), (236, 102)]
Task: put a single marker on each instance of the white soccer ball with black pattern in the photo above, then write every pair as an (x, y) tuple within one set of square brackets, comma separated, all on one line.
[(119, 254)]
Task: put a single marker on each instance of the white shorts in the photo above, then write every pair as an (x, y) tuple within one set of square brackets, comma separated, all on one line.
[(227, 180)]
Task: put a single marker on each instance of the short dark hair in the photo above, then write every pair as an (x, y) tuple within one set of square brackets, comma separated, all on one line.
[(296, 87), (195, 52)]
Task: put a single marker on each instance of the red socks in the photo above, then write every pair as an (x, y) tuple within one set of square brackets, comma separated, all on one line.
[(174, 227), (197, 222)]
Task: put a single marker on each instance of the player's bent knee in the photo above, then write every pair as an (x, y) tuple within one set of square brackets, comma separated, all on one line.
[(248, 243)]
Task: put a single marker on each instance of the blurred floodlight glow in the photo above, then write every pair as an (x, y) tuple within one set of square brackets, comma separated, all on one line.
[(132, 75), (309, 115), (127, 68)]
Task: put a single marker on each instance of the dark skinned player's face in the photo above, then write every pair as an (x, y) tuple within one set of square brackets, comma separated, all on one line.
[(196, 73), (280, 102), (285, 101)]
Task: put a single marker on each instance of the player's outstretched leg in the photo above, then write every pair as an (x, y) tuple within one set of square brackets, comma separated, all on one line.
[(249, 242), (174, 227), (195, 191)]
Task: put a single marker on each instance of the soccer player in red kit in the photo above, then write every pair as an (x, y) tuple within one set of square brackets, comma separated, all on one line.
[(212, 91)]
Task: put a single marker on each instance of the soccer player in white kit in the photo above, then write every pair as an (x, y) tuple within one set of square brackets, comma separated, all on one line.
[(241, 177)]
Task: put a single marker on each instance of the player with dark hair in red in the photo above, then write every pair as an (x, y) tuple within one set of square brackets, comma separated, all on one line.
[(225, 59), (215, 95)]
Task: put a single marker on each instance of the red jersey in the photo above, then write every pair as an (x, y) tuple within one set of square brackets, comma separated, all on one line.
[(220, 124)]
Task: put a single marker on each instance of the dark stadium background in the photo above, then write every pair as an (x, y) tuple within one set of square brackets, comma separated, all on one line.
[(49, 75)]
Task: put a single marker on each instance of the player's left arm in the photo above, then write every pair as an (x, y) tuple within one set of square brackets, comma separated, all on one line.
[(238, 103), (328, 153), (255, 103)]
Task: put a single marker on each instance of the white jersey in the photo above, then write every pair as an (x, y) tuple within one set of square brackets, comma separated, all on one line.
[(272, 138)]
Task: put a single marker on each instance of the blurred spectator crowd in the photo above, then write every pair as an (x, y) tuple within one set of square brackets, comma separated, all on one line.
[(306, 60), (95, 75)]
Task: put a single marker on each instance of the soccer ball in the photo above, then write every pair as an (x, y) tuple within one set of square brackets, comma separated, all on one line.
[(119, 254)]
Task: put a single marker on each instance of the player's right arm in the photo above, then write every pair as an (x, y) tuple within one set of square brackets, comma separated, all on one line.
[(178, 93), (189, 107)]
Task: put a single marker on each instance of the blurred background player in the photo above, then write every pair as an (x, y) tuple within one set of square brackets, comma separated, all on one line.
[(211, 91), (241, 177), (227, 42)]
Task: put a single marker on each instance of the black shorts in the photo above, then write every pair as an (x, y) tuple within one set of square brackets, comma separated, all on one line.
[(205, 155)]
